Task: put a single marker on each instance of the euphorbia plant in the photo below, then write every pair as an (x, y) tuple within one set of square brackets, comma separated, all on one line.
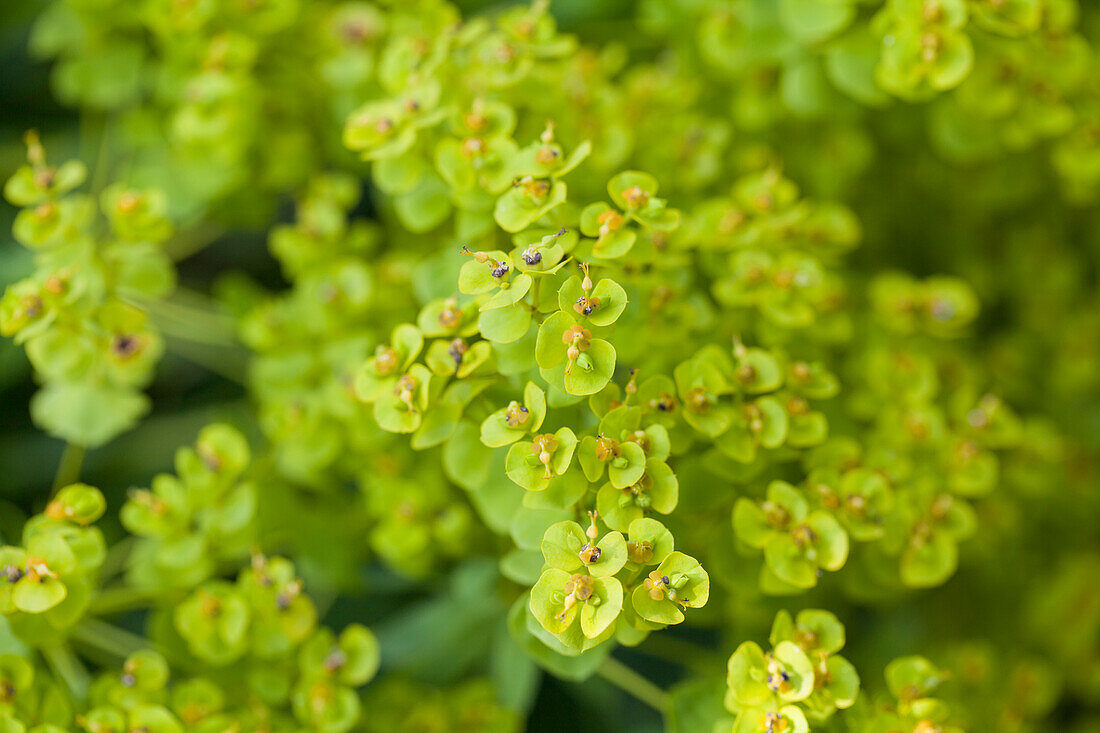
[(571, 368)]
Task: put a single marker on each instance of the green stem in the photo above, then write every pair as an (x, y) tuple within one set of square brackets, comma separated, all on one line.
[(684, 653), (118, 599), (112, 641), (68, 669), (192, 241), (115, 562), (221, 360), (68, 470), (109, 638), (192, 323), (629, 681)]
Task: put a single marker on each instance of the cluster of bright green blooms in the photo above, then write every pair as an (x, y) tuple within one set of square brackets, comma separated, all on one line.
[(266, 661), (583, 322), (79, 314)]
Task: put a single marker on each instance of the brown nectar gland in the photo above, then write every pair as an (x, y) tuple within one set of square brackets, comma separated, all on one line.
[(44, 176), (642, 439), (546, 155), (406, 389), (806, 639), (37, 570), (128, 202), (543, 446), (476, 122), (932, 11), (941, 506), (779, 679), (656, 585), (664, 402), (639, 552), (45, 211), (607, 448), (774, 723), (385, 361), (580, 586), (803, 535), (585, 305), (473, 146), (698, 400), (930, 46), (577, 336), (124, 346), (532, 256), (450, 316), (456, 350), (577, 588), (589, 553), (731, 220), (383, 125), (798, 406), (776, 514), (58, 510), (516, 414), (609, 221), (635, 197)]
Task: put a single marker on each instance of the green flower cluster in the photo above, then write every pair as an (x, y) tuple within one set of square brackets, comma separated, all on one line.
[(908, 704), (80, 313), (268, 664), (802, 677), (47, 582), (561, 310), (191, 523)]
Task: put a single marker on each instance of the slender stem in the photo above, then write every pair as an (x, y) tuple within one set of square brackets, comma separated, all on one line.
[(120, 643), (118, 599), (682, 652), (68, 470), (67, 668), (101, 172), (192, 241), (192, 323), (223, 361), (109, 638), (629, 681), (115, 562)]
